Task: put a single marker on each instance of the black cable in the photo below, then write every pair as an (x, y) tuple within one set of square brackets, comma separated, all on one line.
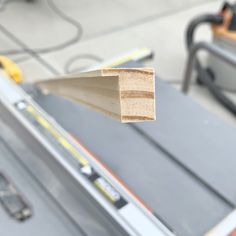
[(28, 50), (70, 62), (203, 75), (4, 3), (61, 46), (34, 52)]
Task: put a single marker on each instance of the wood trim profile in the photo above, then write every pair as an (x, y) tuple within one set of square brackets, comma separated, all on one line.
[(124, 94)]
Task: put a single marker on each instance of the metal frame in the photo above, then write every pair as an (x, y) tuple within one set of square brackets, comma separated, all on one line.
[(211, 48), (12, 94)]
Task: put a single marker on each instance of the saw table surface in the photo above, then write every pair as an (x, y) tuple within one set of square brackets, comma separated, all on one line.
[(178, 164), (181, 166)]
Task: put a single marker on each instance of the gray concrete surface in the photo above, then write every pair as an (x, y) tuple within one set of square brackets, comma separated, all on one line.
[(111, 28)]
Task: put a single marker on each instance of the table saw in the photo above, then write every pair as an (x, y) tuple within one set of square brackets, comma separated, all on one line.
[(79, 172)]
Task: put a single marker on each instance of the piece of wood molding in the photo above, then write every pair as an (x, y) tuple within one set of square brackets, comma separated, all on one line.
[(125, 94)]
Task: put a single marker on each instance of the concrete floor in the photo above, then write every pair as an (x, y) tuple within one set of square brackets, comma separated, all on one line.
[(111, 28)]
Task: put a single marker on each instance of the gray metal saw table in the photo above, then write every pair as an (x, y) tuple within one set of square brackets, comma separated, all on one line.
[(182, 166)]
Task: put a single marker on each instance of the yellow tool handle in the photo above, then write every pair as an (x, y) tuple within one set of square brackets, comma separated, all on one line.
[(11, 69)]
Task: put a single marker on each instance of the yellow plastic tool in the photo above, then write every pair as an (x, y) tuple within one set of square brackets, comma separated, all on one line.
[(12, 70)]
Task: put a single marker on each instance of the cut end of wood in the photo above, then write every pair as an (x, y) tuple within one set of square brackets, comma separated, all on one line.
[(126, 94), (137, 92)]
